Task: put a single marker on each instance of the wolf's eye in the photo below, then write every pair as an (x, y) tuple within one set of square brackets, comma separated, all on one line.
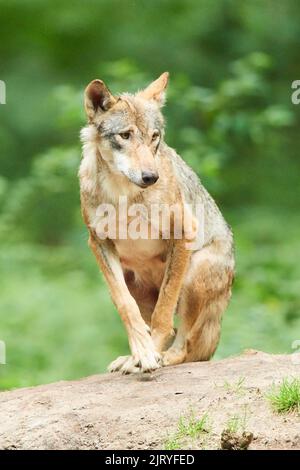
[(155, 136), (124, 135)]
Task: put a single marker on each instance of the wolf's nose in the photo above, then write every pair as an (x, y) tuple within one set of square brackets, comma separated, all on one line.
[(149, 178)]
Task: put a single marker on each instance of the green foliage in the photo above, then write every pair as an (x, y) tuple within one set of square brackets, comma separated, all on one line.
[(229, 114), (57, 319), (33, 205), (264, 312), (285, 397)]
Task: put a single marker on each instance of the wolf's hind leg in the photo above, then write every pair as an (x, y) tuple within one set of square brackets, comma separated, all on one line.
[(204, 297)]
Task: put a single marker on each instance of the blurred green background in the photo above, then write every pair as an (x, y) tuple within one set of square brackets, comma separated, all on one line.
[(229, 115)]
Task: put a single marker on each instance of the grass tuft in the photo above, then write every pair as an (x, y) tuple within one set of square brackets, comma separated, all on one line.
[(190, 430), (237, 387), (285, 397)]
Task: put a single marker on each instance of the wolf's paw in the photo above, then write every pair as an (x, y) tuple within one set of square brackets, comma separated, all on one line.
[(144, 356), (173, 356), (132, 365), (116, 365), (148, 362)]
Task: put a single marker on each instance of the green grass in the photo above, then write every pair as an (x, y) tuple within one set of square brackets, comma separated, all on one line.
[(237, 423), (192, 427), (285, 397), (233, 425), (59, 323), (234, 387), (172, 443), (190, 431)]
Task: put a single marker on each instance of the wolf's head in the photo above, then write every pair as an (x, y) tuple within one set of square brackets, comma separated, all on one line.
[(129, 128)]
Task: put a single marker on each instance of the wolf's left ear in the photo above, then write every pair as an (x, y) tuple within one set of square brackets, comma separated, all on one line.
[(97, 99), (156, 90)]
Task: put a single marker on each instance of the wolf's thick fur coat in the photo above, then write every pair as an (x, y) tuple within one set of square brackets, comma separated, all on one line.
[(150, 280)]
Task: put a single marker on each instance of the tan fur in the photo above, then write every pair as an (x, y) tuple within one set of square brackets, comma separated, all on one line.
[(149, 280)]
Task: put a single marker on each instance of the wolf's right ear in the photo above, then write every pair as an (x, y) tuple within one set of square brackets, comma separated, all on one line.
[(97, 99)]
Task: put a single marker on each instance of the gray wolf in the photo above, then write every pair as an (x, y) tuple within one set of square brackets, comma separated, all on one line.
[(124, 154)]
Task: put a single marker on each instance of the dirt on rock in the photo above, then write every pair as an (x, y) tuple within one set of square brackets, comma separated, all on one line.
[(113, 411)]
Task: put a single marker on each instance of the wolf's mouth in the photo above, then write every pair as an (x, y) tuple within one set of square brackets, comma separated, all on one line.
[(132, 180), (141, 185)]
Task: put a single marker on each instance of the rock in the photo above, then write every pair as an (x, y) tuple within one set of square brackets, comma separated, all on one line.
[(112, 411)]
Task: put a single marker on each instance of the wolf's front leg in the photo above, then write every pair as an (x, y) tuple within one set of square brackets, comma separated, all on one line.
[(144, 356), (162, 330)]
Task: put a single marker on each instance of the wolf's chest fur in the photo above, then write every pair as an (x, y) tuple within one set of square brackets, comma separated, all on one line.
[(146, 258)]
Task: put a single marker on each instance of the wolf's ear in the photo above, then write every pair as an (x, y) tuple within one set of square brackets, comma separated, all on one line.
[(97, 99), (156, 90)]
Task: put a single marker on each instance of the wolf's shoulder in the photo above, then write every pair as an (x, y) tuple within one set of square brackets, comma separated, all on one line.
[(184, 174), (195, 193)]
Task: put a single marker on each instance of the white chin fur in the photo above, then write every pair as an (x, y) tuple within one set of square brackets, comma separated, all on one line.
[(112, 184)]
